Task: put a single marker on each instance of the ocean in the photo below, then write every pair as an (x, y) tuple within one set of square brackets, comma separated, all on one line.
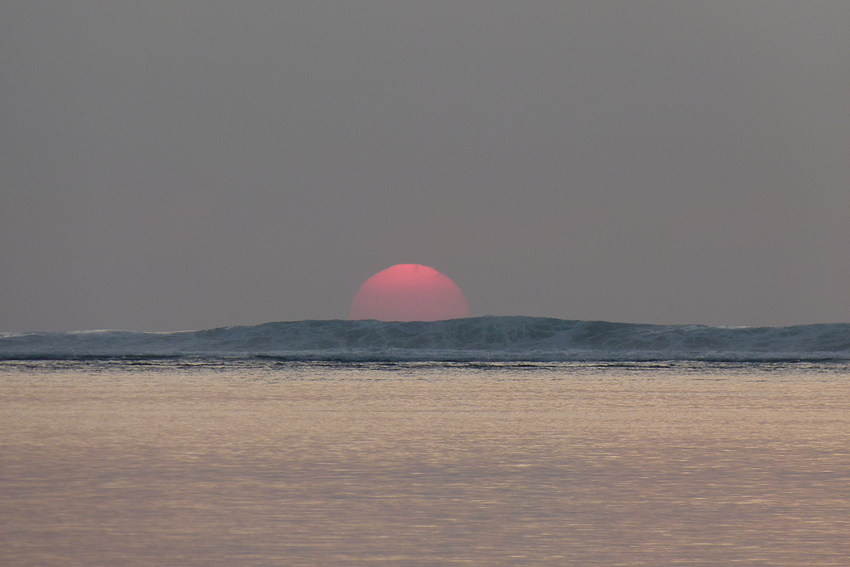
[(496, 441)]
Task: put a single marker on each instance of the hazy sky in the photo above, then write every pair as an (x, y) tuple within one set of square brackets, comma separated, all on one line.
[(183, 165)]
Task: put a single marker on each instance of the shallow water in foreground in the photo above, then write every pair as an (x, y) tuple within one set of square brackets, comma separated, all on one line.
[(260, 463)]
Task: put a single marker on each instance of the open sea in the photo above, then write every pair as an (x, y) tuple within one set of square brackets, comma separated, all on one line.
[(328, 444)]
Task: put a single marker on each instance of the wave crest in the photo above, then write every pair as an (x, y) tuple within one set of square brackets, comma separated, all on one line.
[(480, 338)]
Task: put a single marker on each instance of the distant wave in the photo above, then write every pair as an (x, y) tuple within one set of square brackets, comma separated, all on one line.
[(473, 339)]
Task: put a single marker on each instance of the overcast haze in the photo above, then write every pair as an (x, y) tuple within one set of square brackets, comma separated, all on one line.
[(185, 165)]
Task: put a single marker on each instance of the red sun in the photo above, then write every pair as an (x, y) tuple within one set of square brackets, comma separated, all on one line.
[(409, 292)]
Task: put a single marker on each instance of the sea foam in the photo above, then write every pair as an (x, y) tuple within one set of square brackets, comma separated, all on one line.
[(472, 339)]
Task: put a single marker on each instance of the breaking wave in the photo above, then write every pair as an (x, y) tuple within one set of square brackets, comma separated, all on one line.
[(473, 339)]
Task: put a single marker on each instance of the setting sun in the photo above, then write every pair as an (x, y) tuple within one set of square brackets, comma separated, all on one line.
[(409, 292)]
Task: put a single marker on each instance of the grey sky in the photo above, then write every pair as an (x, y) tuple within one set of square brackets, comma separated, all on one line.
[(181, 165)]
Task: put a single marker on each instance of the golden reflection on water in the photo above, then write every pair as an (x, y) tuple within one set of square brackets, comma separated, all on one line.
[(431, 465)]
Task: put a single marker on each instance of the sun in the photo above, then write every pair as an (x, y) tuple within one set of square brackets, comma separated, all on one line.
[(409, 292)]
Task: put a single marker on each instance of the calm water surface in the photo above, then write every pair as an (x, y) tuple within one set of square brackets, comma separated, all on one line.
[(259, 463)]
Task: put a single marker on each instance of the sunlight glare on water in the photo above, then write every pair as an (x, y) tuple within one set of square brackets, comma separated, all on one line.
[(264, 463)]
